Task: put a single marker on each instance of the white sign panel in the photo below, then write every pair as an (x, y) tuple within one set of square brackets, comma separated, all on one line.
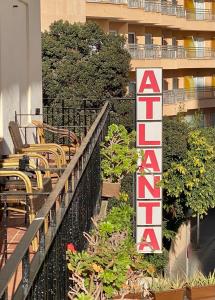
[(149, 239), (149, 134), (149, 212), (147, 186), (151, 161), (149, 142), (149, 81), (149, 108)]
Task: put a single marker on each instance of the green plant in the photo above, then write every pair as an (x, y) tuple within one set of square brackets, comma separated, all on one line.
[(119, 156), (160, 284), (111, 264), (200, 279), (190, 183)]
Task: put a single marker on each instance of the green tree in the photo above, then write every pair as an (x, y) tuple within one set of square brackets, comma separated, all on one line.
[(175, 136), (80, 61), (190, 182)]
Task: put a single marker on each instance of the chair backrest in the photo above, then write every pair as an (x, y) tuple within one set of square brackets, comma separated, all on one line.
[(40, 131), (16, 136)]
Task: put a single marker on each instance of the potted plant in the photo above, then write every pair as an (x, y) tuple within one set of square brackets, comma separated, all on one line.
[(201, 287), (119, 158), (163, 288)]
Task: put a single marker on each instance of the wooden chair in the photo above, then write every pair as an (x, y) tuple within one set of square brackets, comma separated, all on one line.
[(70, 148), (55, 150)]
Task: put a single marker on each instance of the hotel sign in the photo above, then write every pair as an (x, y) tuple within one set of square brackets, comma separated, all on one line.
[(149, 141)]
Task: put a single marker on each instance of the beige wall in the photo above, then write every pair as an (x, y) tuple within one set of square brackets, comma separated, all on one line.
[(20, 62), (70, 10)]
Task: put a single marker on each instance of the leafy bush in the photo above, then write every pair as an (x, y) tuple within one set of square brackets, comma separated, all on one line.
[(190, 183), (111, 264), (119, 157)]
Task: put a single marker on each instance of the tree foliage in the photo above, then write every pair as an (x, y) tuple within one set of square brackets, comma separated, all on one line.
[(190, 182), (175, 136), (80, 61)]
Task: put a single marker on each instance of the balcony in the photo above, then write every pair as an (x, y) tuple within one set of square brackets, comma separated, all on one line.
[(171, 57), (28, 273), (182, 100), (152, 12)]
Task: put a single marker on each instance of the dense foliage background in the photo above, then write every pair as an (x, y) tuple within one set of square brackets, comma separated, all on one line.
[(80, 61)]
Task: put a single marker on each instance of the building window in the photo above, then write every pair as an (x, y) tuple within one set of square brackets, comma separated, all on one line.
[(148, 39), (131, 38)]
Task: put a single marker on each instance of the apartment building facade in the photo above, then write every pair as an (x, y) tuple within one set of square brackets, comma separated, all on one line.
[(20, 64), (178, 36)]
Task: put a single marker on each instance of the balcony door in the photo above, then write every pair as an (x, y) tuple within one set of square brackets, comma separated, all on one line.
[(199, 44), (149, 46), (199, 83), (199, 9)]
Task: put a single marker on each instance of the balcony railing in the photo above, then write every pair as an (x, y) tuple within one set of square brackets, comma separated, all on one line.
[(165, 9), (179, 95), (109, 1), (69, 213), (169, 52)]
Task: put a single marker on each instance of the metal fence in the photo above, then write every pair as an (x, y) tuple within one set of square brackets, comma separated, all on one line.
[(69, 213), (178, 95), (75, 115), (169, 52)]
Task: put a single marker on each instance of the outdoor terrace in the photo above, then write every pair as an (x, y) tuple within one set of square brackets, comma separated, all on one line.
[(29, 272)]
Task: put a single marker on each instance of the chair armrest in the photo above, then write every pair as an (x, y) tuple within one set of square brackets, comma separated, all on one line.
[(34, 156), (21, 175), (44, 150), (15, 164), (52, 146)]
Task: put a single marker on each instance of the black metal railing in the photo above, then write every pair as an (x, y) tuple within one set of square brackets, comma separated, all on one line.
[(138, 51), (75, 115), (68, 214)]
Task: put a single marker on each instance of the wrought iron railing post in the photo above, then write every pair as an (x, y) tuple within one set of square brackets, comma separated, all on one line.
[(25, 271)]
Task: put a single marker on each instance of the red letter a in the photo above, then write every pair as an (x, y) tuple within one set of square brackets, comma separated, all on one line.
[(150, 154), (150, 77), (149, 240)]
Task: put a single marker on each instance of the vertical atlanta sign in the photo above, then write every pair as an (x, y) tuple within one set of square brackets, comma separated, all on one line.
[(149, 141)]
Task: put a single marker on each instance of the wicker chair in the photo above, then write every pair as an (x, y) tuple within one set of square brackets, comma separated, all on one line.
[(70, 148), (55, 150), (37, 181), (22, 198)]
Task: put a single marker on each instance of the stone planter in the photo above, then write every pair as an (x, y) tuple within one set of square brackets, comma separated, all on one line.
[(201, 293), (110, 189), (177, 294)]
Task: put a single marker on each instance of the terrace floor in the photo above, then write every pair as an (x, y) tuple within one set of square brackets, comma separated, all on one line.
[(14, 231)]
